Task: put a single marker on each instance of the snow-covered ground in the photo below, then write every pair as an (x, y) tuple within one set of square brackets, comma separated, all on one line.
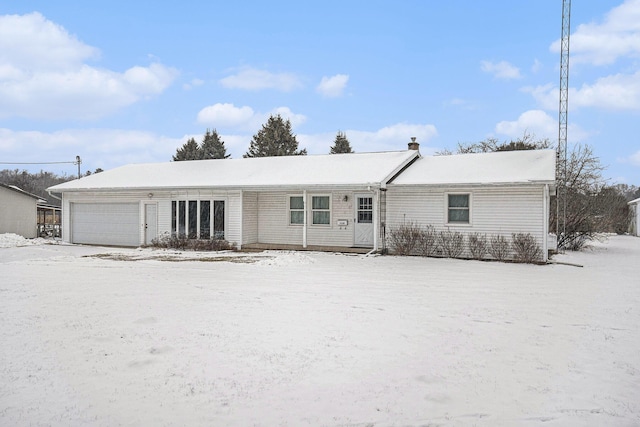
[(101, 337)]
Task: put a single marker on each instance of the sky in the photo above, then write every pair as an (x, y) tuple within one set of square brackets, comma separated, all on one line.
[(119, 82)]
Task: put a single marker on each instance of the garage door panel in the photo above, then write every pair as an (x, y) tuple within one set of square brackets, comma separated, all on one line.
[(105, 223)]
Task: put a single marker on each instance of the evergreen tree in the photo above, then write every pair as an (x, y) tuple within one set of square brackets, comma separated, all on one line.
[(212, 146), (274, 139), (189, 151), (341, 144)]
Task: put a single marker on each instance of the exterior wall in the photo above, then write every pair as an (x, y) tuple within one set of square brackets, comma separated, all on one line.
[(273, 220), (249, 217), (634, 224), (163, 199), (18, 213), (494, 210)]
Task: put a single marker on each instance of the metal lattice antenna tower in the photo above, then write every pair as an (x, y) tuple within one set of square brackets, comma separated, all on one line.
[(561, 205)]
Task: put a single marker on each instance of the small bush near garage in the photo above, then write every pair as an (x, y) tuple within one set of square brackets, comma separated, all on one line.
[(181, 242), (499, 248), (404, 239), (478, 245), (525, 248)]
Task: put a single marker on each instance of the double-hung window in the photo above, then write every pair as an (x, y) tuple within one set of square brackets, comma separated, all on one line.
[(296, 210), (458, 208), (321, 210)]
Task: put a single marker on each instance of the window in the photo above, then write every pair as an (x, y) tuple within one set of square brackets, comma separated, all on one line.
[(193, 219), (296, 210), (218, 219), (205, 219), (365, 210), (320, 210), (458, 208)]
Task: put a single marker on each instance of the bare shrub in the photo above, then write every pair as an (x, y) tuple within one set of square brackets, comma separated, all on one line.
[(499, 248), (451, 243), (427, 244), (403, 240), (181, 242), (525, 248), (478, 245)]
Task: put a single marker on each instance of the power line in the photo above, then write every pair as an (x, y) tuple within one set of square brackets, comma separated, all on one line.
[(37, 163)]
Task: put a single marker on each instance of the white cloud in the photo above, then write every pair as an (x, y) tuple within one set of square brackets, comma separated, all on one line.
[(225, 115), (616, 92), (43, 74), (501, 70), (603, 43), (540, 124), (98, 148), (193, 83), (332, 87), (389, 138), (633, 159), (254, 79), (245, 118)]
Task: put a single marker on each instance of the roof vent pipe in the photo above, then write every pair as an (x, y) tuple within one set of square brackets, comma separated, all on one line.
[(413, 145)]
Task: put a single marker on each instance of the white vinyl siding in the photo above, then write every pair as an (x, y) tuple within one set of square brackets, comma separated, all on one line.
[(495, 210), (274, 227), (249, 217)]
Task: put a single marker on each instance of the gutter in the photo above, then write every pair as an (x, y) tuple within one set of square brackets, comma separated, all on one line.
[(55, 197)]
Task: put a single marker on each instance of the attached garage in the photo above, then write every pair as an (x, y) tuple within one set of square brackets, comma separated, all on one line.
[(114, 224)]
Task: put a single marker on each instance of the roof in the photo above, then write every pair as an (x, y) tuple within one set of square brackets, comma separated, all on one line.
[(21, 191), (634, 202), (262, 172), (502, 167)]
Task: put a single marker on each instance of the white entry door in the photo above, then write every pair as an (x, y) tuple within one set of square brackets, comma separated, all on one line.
[(363, 224), (150, 222)]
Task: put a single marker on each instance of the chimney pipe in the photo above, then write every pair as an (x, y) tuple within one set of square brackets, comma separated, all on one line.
[(413, 145)]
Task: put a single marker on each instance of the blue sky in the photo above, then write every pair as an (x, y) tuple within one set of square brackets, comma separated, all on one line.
[(128, 82)]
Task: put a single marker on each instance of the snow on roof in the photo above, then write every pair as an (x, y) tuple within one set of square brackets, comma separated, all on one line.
[(314, 170), (501, 167), (20, 190)]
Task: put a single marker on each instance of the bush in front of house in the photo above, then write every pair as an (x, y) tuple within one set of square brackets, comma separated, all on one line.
[(478, 245), (525, 248), (499, 247), (427, 244), (182, 242), (404, 239), (451, 243)]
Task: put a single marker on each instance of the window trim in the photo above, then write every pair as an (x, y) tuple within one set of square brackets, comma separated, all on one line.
[(329, 209), (447, 209)]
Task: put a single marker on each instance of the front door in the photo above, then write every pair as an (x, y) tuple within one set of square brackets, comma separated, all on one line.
[(364, 220), (150, 222)]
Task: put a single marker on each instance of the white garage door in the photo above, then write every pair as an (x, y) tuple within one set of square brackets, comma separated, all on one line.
[(105, 224)]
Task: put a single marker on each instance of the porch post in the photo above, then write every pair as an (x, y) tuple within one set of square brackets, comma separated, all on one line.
[(304, 222)]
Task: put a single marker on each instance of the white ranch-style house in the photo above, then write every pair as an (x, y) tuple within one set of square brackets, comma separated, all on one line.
[(323, 202)]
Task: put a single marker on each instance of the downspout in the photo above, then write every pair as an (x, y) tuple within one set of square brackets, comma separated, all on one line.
[(376, 218), (304, 222), (545, 222)]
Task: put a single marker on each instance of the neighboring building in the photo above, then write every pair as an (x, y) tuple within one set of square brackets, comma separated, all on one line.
[(497, 193), (18, 211), (329, 202), (634, 213)]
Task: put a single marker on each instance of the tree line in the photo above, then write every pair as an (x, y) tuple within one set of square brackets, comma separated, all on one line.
[(275, 138)]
